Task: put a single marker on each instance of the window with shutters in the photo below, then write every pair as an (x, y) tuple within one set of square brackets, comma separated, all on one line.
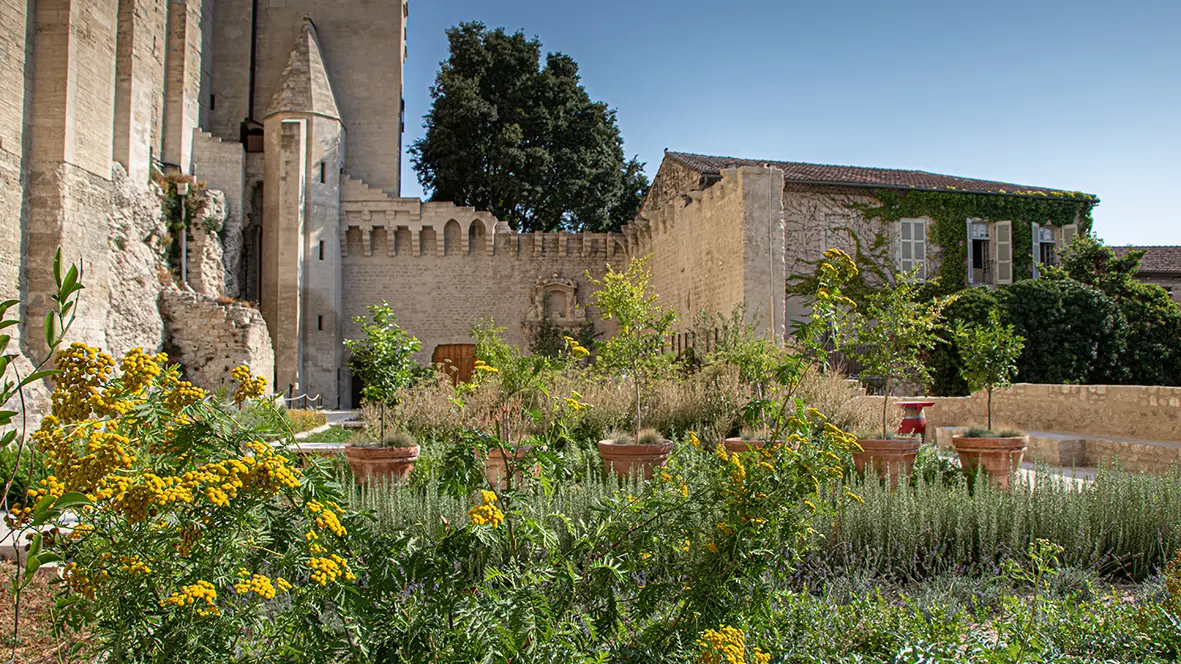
[(912, 247)]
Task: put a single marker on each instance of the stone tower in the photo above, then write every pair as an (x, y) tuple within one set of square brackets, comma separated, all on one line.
[(305, 143)]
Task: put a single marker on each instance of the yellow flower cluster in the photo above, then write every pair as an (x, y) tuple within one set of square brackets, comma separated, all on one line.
[(694, 440), (486, 514), (140, 369), (249, 385), (82, 370), (260, 585), (326, 518), (180, 394), (330, 568), (133, 565), (575, 347), (81, 582), (102, 453), (682, 488), (201, 591), (727, 645), (484, 367)]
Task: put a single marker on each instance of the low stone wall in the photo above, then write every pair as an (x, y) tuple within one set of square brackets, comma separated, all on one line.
[(1149, 413), (210, 337)]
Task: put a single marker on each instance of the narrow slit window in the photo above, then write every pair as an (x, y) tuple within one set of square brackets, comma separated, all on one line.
[(212, 102), (320, 323), (321, 250), (321, 172)]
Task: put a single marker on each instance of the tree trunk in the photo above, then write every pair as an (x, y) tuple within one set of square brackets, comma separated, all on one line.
[(885, 404), (381, 437), (990, 408), (636, 378)]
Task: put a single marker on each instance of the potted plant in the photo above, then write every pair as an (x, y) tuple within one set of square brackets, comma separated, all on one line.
[(989, 353), (630, 455), (636, 352), (518, 383), (382, 361), (750, 438), (391, 459), (896, 327)]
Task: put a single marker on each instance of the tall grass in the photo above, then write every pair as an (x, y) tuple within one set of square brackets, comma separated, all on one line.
[(422, 505), (1122, 525)]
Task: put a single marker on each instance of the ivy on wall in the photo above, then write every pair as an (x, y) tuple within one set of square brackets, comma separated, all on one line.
[(950, 210)]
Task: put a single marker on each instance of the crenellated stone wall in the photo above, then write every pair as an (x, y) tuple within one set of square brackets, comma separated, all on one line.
[(443, 267)]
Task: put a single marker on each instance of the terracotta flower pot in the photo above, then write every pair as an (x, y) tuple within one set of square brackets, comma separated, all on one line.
[(742, 445), (999, 457), (496, 468), (628, 460), (373, 462), (889, 458)]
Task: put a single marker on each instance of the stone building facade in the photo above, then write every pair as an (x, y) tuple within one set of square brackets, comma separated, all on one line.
[(822, 207)]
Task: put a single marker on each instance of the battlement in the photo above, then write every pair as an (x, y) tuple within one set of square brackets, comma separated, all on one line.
[(373, 223)]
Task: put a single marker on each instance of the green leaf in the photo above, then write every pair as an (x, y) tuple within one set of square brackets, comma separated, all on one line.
[(71, 279), (37, 375), (72, 499), (52, 329), (57, 267), (33, 562)]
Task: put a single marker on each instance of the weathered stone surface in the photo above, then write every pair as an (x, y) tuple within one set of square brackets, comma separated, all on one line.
[(210, 337), (206, 269), (138, 271)]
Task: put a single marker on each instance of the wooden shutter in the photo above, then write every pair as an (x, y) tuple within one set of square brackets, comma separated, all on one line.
[(912, 246), (1069, 231), (1037, 249), (1004, 252)]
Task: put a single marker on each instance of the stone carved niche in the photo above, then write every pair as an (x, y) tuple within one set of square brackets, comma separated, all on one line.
[(556, 298)]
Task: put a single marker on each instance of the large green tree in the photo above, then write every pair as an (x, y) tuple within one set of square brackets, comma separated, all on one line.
[(1152, 320), (524, 141)]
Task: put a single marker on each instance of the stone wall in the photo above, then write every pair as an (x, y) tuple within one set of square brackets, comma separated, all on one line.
[(221, 166), (207, 270), (710, 249), (137, 269), (439, 296), (210, 337), (1170, 282), (1116, 411), (139, 80)]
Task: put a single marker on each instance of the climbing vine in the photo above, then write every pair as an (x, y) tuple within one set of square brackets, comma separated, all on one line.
[(948, 212)]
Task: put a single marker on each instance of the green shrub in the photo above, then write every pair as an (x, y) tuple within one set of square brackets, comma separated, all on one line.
[(1122, 525), (1073, 332)]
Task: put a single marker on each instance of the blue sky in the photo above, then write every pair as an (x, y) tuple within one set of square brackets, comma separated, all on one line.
[(1082, 95)]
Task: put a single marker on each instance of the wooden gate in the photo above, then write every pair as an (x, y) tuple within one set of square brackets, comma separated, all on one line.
[(456, 360)]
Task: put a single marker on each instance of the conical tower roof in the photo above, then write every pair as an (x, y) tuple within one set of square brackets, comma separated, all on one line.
[(304, 86)]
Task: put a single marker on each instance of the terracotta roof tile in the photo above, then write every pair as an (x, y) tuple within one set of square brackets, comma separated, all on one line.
[(885, 178), (1158, 259)]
